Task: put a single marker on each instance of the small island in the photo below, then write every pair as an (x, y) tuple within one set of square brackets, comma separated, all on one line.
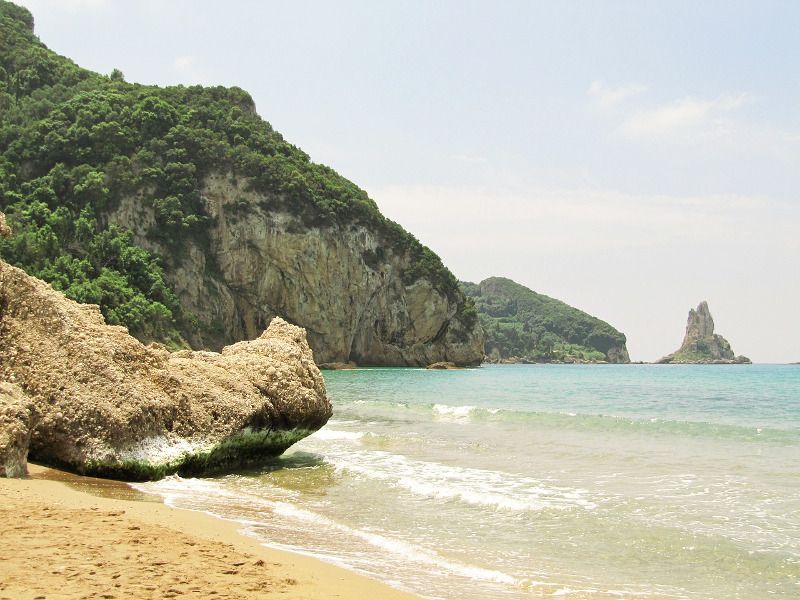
[(701, 345)]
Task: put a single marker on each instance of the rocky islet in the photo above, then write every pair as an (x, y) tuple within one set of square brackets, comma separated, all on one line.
[(701, 345)]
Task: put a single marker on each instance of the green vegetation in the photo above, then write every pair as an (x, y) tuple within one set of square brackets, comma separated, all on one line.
[(521, 324), (74, 144)]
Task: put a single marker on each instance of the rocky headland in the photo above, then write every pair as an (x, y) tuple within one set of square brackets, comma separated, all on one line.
[(523, 327), (701, 345), (86, 396)]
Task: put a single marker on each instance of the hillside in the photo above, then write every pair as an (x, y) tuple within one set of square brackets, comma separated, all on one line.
[(188, 219), (522, 325)]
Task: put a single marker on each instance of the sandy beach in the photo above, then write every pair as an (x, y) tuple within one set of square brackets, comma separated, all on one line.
[(75, 537)]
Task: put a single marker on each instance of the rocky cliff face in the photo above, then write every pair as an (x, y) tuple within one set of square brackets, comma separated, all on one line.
[(91, 398), (343, 283), (701, 344)]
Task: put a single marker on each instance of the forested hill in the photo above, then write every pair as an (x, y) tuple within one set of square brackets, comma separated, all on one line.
[(522, 325), (127, 196)]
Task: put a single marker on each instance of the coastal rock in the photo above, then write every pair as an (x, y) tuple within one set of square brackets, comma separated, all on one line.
[(344, 283), (337, 366), (114, 407), (701, 345), (444, 366), (17, 417)]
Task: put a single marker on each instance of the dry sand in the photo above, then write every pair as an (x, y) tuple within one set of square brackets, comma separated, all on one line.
[(65, 536)]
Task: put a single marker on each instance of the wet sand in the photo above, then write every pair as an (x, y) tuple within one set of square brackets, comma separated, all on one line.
[(66, 536)]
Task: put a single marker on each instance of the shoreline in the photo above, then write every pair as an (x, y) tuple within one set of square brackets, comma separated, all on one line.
[(70, 536)]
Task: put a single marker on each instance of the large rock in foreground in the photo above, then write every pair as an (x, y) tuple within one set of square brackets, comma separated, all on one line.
[(701, 345), (110, 406)]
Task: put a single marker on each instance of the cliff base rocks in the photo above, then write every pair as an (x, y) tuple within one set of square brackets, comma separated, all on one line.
[(105, 404), (701, 345)]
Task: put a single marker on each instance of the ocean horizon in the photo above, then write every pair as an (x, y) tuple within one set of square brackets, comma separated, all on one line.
[(526, 481)]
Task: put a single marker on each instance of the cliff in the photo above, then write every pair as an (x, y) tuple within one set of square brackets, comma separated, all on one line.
[(524, 326), (87, 396), (188, 219), (345, 283), (701, 345)]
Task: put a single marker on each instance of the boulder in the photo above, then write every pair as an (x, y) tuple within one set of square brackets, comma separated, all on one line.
[(337, 366), (113, 407), (701, 345)]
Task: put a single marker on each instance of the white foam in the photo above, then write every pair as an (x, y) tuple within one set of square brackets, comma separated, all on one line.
[(405, 550), (478, 487), (459, 412), (333, 434)]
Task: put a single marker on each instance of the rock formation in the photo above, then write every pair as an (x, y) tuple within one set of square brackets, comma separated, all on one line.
[(701, 345), (103, 403), (260, 262)]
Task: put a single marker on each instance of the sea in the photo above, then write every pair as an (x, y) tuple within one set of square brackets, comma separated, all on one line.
[(539, 481)]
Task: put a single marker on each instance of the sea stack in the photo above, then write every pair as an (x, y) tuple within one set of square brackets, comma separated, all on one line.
[(701, 345)]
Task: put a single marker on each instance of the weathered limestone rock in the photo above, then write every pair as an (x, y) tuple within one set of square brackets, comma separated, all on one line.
[(114, 407), (618, 355), (342, 283), (444, 366), (17, 417), (701, 345), (337, 366)]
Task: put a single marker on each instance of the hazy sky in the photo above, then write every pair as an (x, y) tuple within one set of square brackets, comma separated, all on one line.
[(629, 158)]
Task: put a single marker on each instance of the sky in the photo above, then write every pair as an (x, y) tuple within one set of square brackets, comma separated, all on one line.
[(628, 158)]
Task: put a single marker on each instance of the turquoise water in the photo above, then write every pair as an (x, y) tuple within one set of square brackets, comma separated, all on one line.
[(527, 481)]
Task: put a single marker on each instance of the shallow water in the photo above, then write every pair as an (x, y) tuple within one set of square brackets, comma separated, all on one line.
[(525, 481)]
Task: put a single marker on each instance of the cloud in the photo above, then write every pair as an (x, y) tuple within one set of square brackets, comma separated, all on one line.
[(576, 221), (681, 115), (467, 158), (609, 97), (183, 64)]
